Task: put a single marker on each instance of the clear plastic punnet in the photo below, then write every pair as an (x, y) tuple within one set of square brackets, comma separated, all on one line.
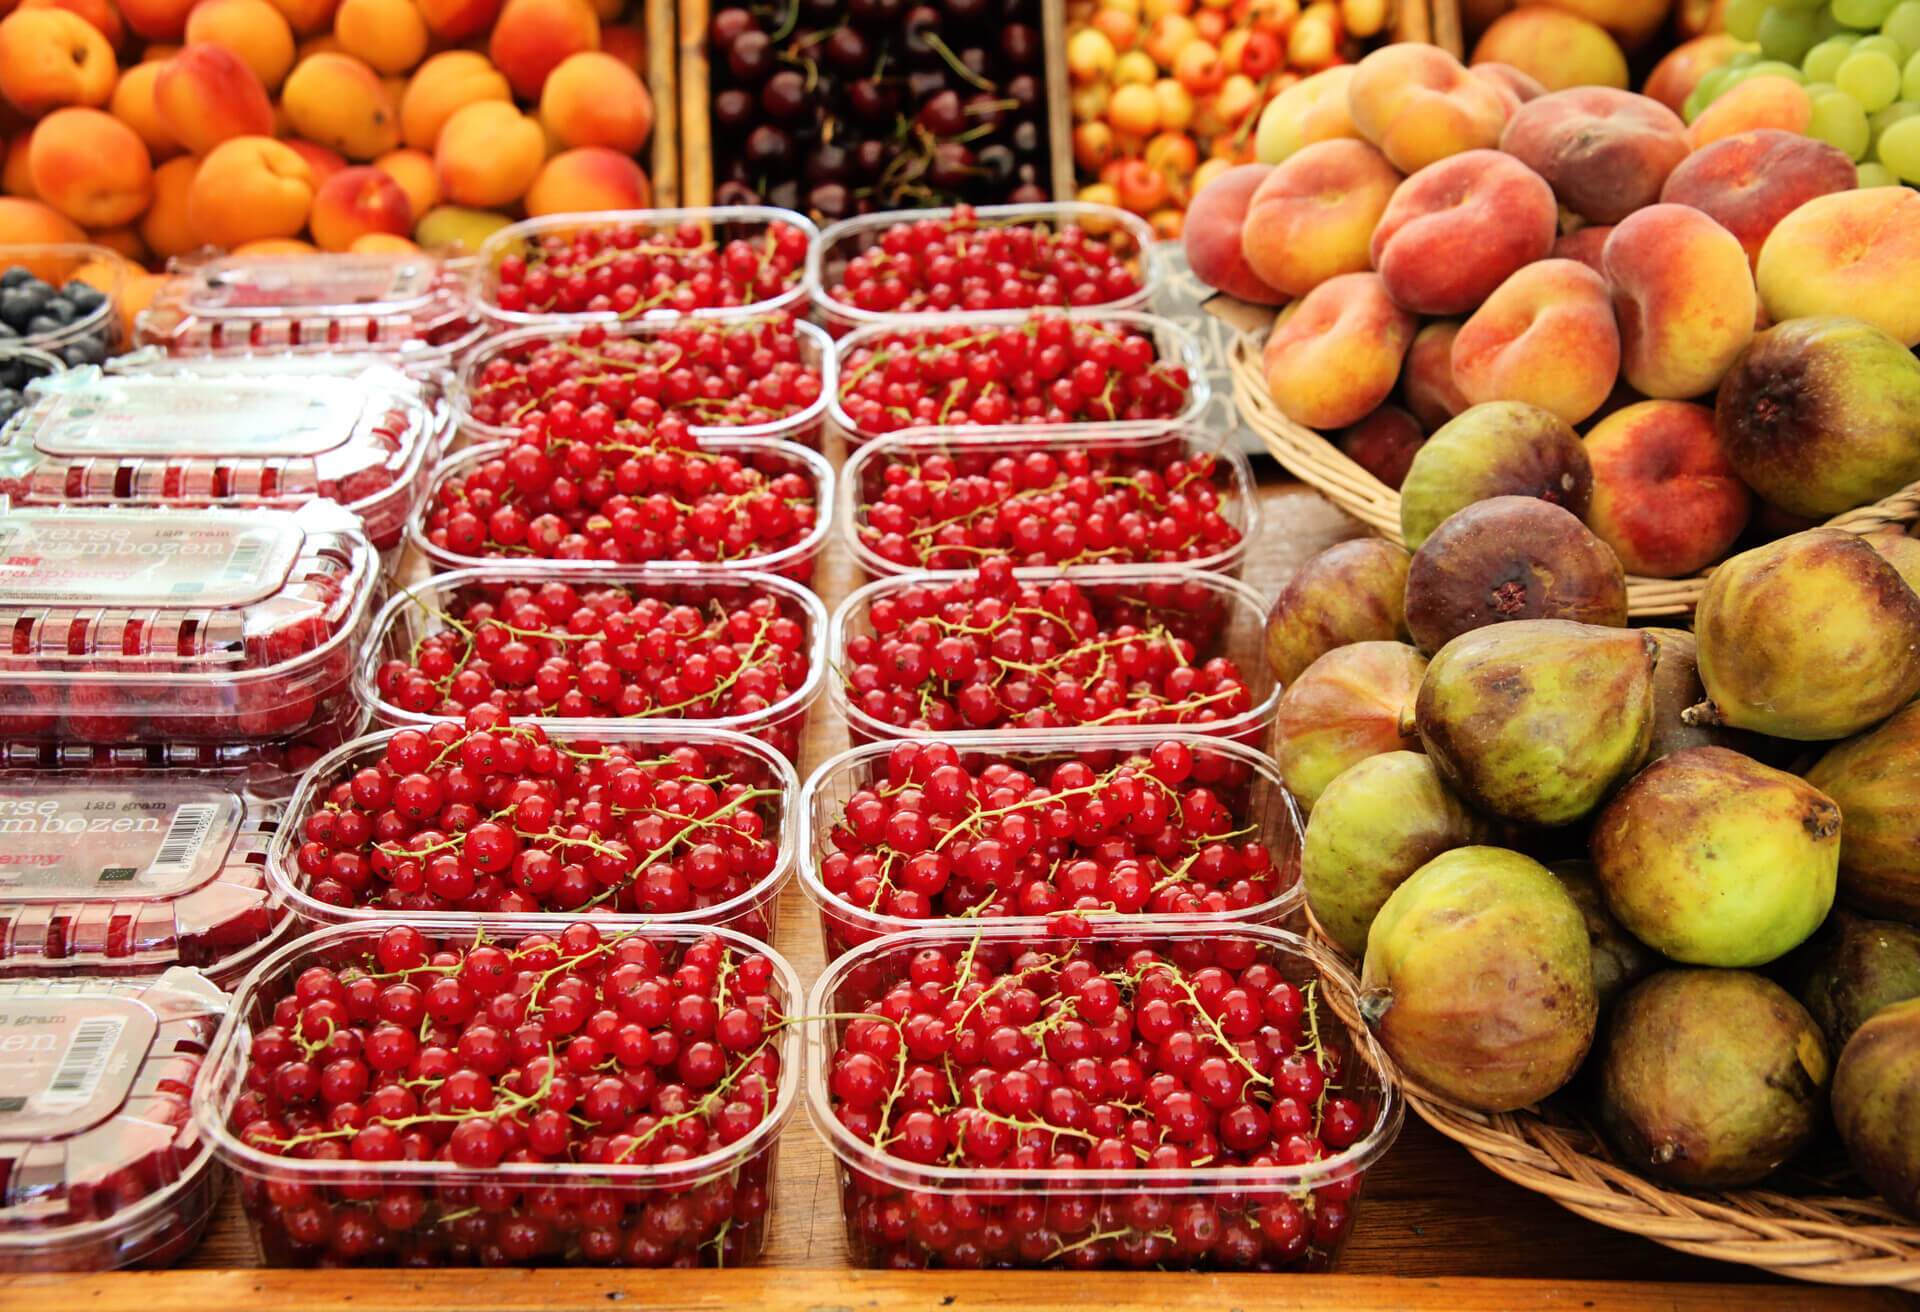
[(443, 606), (674, 260), (410, 307), (1170, 1204), (101, 1164), (634, 1198), (87, 438), (925, 529), (211, 630), (1129, 236), (91, 334), (135, 871), (863, 889), (749, 905)]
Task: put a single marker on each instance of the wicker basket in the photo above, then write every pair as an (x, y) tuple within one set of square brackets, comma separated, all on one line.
[(1328, 470), (1822, 1235)]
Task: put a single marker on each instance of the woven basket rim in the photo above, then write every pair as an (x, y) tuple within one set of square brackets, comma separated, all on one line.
[(1839, 1239), (1324, 467)]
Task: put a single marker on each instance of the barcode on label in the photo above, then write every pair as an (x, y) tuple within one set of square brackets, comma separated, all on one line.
[(186, 834), (245, 560), (85, 1062)]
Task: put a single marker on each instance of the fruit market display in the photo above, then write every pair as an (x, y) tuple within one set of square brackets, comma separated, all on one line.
[(633, 1079), (165, 126), (836, 109)]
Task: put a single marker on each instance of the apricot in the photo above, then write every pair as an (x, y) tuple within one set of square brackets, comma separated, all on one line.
[(249, 189), (307, 18), (324, 163), (206, 95), (1419, 104), (133, 104), (27, 222), (166, 228), (390, 36), (445, 83), (1458, 228), (16, 177), (1555, 48), (382, 243), (532, 37), (457, 20), (50, 58), (1851, 253), (626, 43), (91, 167), (124, 241), (1630, 22), (589, 178), (1683, 296), (251, 29), (416, 174), (101, 13), (1771, 100), (356, 201), (156, 20), (1311, 218), (1606, 153), (1335, 354), (488, 155), (1750, 181), (338, 101), (592, 99), (1545, 337)]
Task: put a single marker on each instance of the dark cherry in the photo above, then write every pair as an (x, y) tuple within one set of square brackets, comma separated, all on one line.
[(768, 145), (943, 115), (1025, 138), (829, 200), (728, 26), (869, 157), (923, 21), (751, 56), (1023, 89), (785, 95), (784, 195), (733, 109), (1021, 44), (829, 162), (952, 167), (996, 163), (1031, 193), (734, 192), (848, 48)]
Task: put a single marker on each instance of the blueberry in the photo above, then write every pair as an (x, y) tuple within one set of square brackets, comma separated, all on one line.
[(85, 296), (87, 350), (43, 324), (59, 309), (14, 276)]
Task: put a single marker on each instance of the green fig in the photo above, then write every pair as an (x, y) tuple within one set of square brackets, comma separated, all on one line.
[(1478, 979), (1716, 860), (1876, 1104), (1619, 958), (1376, 824), (1501, 448), (1676, 690), (1710, 1079), (1353, 591), (1511, 558), (1812, 637), (1536, 720), (1866, 965), (1822, 414), (1345, 707), (1875, 778)]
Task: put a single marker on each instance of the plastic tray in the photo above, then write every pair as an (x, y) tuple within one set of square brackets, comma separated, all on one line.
[(1171, 340), (1232, 613), (90, 439), (410, 308), (1251, 788), (417, 613), (903, 1214), (816, 354), (840, 242), (101, 1166), (57, 263), (753, 912), (862, 481), (450, 1229), (794, 562), (134, 872), (722, 223), (201, 628)]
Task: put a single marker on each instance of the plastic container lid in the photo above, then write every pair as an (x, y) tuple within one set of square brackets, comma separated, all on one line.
[(215, 625), (90, 439), (133, 871), (101, 1164), (406, 303)]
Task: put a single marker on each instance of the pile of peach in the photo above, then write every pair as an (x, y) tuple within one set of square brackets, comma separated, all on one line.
[(157, 127), (1456, 236), (1166, 92)]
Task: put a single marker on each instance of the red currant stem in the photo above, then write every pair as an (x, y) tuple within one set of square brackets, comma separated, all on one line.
[(1100, 1236), (512, 1104), (1219, 1035), (1014, 1124), (1030, 803), (1008, 981), (694, 824), (309, 1048), (885, 354), (1309, 994), (1194, 703), (707, 1103)]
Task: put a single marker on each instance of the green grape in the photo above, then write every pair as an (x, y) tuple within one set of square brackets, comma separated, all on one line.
[(1886, 45), (1871, 78), (1903, 24), (1826, 25), (1910, 80), (1743, 17), (1773, 68), (1743, 59), (1839, 121), (1786, 34), (1823, 61), (1705, 91), (1899, 111), (1899, 149), (1875, 175), (1866, 15)]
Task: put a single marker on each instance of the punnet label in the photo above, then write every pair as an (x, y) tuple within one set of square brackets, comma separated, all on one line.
[(67, 1061), (122, 558), (84, 842)]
